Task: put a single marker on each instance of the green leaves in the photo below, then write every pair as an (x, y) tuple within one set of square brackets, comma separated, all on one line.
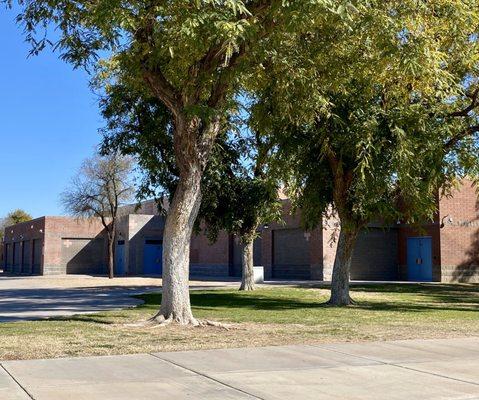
[(358, 107), (363, 91)]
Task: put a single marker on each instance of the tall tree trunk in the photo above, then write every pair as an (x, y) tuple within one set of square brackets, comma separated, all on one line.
[(193, 141), (111, 253), (247, 277), (175, 303), (342, 267)]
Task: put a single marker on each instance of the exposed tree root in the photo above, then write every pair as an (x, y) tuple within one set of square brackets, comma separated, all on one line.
[(215, 324), (333, 304), (246, 288), (159, 321)]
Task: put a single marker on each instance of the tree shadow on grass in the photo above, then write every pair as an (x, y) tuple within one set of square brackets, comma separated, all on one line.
[(432, 293), (432, 297), (436, 298)]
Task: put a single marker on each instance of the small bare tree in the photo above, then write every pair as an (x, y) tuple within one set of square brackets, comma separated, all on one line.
[(101, 186)]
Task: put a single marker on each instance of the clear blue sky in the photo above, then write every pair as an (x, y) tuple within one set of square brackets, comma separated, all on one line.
[(49, 123)]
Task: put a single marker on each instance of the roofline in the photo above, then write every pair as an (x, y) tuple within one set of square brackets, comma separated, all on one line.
[(25, 222)]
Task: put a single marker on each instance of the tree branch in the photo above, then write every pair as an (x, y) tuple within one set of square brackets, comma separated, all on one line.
[(474, 96), (455, 139), (155, 77), (163, 89)]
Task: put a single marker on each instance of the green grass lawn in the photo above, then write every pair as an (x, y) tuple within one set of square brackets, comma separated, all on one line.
[(268, 316)]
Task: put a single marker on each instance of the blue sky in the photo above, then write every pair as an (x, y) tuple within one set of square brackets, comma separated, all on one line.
[(49, 123)]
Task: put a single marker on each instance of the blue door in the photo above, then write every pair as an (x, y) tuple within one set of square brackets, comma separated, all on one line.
[(152, 257), (120, 258), (419, 259)]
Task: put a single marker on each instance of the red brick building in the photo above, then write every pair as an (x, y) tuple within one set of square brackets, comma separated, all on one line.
[(445, 250), (55, 245)]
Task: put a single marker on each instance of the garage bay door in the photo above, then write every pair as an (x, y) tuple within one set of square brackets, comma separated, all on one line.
[(17, 258), (291, 258), (37, 256), (8, 257), (375, 255), (84, 256), (26, 255)]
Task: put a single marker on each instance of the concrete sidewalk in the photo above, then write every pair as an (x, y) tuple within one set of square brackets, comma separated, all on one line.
[(417, 369)]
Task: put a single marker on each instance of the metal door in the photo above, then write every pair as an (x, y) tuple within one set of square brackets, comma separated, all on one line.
[(120, 258), (152, 257), (419, 259)]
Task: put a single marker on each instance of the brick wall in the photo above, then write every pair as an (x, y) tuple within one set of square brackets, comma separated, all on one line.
[(25, 237), (459, 244), (62, 247), (51, 245), (210, 259), (330, 235)]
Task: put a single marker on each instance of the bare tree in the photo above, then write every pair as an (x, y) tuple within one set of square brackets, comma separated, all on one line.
[(101, 186)]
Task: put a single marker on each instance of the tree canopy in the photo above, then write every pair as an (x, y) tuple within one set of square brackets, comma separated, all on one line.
[(192, 57), (376, 117), (17, 216), (12, 218)]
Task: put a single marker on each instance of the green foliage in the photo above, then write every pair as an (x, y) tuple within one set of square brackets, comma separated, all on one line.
[(17, 216), (193, 58), (140, 126), (193, 43), (239, 195), (235, 197), (364, 109), (377, 87)]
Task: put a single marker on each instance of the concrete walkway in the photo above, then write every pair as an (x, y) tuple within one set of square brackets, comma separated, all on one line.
[(425, 370)]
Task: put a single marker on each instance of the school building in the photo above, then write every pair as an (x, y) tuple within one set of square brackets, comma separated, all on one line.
[(446, 250)]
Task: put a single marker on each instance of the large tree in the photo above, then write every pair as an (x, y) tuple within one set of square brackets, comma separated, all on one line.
[(100, 188), (238, 194), (377, 137), (192, 56)]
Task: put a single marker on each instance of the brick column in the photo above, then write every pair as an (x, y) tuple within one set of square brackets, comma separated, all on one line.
[(330, 235), (316, 253), (267, 253)]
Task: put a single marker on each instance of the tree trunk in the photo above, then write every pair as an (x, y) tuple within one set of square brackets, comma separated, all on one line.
[(342, 267), (111, 252), (175, 303), (247, 277)]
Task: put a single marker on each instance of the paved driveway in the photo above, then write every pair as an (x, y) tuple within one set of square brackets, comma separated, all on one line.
[(412, 370), (23, 298)]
